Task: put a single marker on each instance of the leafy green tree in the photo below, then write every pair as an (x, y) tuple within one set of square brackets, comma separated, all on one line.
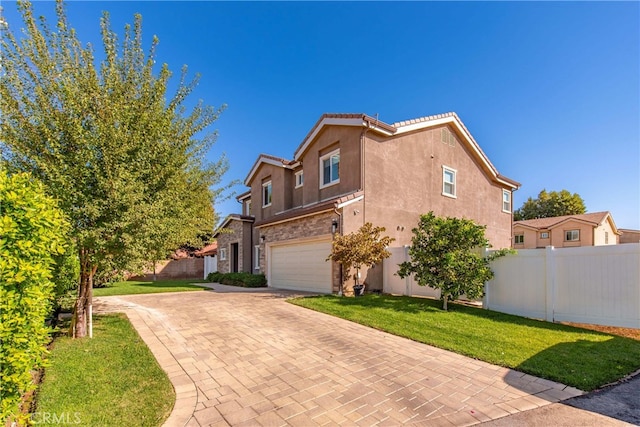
[(547, 205), (123, 157), (444, 255), (32, 233), (364, 247)]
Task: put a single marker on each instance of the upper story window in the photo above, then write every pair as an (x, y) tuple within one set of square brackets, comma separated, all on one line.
[(506, 201), (299, 179), (572, 235), (266, 194), (247, 207), (518, 239), (448, 182), (544, 235), (330, 169)]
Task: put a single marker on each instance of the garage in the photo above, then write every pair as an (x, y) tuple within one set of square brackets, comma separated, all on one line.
[(300, 266)]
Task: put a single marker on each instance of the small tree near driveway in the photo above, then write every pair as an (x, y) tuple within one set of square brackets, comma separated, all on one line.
[(364, 247), (444, 256)]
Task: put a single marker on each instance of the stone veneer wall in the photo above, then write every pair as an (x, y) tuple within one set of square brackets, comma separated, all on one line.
[(303, 228), (232, 234)]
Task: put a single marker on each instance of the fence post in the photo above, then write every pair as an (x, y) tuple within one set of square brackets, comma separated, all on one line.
[(407, 287), (550, 282)]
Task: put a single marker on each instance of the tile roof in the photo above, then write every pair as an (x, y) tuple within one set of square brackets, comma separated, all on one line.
[(210, 249), (594, 218), (309, 210)]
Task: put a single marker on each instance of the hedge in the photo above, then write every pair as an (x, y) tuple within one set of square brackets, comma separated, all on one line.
[(32, 232), (246, 280)]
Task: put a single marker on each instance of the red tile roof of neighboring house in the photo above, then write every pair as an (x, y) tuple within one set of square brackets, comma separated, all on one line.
[(209, 250), (594, 218)]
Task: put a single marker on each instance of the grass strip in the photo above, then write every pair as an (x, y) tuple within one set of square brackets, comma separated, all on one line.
[(111, 379), (132, 287), (581, 358)]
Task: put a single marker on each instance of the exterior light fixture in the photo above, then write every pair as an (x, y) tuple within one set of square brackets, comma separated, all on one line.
[(334, 226)]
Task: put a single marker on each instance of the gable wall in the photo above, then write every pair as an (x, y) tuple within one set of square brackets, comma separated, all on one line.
[(558, 234), (403, 179)]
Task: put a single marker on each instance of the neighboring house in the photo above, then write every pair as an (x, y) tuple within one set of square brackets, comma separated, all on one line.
[(208, 250), (351, 169), (629, 236), (591, 229)]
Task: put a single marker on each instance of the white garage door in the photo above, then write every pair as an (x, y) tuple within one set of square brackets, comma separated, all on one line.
[(301, 267)]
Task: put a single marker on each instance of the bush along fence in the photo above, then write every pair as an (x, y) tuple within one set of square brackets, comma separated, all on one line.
[(32, 231), (246, 280)]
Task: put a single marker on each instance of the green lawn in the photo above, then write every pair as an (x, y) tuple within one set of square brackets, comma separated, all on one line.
[(109, 380), (580, 358), (131, 287)]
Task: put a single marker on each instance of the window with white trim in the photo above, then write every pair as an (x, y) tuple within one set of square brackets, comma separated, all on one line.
[(256, 257), (448, 182), (506, 201), (330, 169), (299, 179), (572, 235), (266, 194), (544, 235), (223, 254), (518, 239)]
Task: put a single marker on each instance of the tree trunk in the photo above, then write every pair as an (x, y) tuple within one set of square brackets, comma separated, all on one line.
[(445, 298), (154, 271), (80, 324)]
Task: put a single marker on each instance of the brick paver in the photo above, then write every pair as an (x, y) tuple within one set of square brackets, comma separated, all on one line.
[(250, 358)]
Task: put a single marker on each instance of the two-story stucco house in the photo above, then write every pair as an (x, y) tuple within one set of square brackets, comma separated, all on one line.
[(351, 169), (591, 229)]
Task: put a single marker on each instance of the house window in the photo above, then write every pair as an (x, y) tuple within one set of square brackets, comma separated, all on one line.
[(223, 254), (572, 235), (519, 239), (330, 169), (448, 182), (256, 257), (248, 207), (266, 194), (506, 201), (299, 179), (544, 235)]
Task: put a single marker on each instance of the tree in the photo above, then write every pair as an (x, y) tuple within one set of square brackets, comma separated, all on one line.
[(124, 159), (365, 247), (547, 205), (444, 255)]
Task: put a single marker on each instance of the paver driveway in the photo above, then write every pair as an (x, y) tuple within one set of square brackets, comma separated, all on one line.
[(250, 358)]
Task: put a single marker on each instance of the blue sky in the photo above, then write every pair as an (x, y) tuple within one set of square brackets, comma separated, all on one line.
[(550, 90)]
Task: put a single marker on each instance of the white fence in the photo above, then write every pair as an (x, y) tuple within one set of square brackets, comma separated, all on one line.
[(210, 265), (595, 284)]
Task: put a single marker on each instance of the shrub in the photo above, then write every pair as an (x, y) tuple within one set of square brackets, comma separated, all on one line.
[(246, 280), (32, 231)]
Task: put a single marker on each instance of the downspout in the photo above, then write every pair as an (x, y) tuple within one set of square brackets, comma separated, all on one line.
[(363, 136), (335, 209)]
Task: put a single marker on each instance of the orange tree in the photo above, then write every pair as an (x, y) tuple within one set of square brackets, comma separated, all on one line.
[(364, 247)]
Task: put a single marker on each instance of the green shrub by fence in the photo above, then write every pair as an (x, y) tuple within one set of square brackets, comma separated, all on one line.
[(32, 231), (246, 280)]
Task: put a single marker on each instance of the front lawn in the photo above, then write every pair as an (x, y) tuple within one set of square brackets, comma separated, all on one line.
[(111, 379), (131, 287), (577, 357)]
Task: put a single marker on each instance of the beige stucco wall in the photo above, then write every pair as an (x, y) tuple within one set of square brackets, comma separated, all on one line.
[(347, 140), (403, 179), (531, 238), (604, 235)]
